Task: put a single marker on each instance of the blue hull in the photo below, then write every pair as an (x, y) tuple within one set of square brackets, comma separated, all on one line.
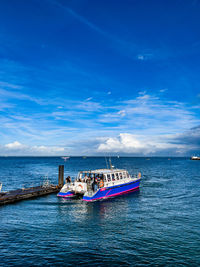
[(113, 191), (67, 194)]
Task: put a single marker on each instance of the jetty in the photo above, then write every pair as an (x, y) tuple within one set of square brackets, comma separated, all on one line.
[(32, 192)]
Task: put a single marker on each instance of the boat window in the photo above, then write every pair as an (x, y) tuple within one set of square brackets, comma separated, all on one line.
[(108, 177), (113, 177), (104, 178), (117, 176), (120, 175), (124, 174)]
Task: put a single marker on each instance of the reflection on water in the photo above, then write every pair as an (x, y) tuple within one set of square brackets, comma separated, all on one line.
[(81, 210)]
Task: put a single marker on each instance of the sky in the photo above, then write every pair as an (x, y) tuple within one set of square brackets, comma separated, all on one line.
[(99, 77)]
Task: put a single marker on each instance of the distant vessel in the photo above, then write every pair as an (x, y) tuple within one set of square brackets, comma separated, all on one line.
[(65, 158), (195, 158)]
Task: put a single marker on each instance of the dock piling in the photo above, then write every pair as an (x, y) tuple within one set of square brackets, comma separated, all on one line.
[(61, 176)]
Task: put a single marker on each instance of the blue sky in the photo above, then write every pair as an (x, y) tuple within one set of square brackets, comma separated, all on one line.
[(99, 77)]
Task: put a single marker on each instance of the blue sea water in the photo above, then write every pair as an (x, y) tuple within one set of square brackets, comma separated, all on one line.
[(155, 226)]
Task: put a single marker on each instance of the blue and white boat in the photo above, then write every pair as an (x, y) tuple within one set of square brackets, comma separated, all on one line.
[(100, 184)]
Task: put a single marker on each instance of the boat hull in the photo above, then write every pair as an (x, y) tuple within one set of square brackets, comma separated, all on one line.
[(113, 191), (68, 194)]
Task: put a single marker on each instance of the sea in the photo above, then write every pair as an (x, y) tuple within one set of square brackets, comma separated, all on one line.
[(159, 225)]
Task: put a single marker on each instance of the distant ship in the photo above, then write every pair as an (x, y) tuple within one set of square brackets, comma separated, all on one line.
[(65, 158), (195, 158)]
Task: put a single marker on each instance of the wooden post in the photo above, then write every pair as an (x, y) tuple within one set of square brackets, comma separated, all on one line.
[(61, 175)]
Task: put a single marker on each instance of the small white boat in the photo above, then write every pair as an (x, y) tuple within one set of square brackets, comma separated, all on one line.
[(65, 158), (195, 158)]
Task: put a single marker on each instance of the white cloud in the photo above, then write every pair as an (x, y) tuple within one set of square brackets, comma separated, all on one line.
[(140, 145), (9, 85), (18, 149), (142, 92), (15, 145), (145, 96), (4, 106), (88, 106), (144, 56), (163, 90), (46, 149), (147, 114), (122, 113), (7, 94), (124, 142), (140, 57), (89, 98)]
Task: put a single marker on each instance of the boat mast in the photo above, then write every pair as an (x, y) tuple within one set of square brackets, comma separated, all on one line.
[(106, 163), (111, 166)]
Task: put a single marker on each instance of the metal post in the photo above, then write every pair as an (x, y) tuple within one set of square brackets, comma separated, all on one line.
[(61, 175)]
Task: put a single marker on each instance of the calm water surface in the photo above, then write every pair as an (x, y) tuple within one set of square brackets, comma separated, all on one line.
[(158, 225)]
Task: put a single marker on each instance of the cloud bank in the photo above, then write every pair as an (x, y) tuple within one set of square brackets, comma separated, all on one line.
[(184, 144), (147, 124), (18, 149)]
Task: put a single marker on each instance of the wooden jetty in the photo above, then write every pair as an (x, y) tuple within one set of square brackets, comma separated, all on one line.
[(32, 192)]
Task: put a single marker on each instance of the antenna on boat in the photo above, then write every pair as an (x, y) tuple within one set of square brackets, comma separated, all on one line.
[(106, 162), (111, 166)]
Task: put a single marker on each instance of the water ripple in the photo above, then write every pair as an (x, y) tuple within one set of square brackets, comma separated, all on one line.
[(156, 226)]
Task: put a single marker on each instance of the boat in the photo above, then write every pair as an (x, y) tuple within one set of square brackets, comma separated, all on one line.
[(65, 158), (100, 184), (195, 158)]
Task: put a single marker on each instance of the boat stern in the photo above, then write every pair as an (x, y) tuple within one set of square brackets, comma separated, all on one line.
[(68, 194)]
